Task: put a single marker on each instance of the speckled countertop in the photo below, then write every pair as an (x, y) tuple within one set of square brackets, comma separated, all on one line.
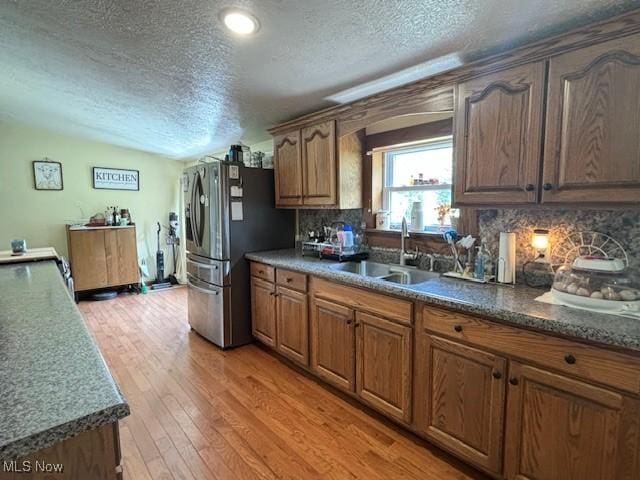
[(513, 305), (54, 382)]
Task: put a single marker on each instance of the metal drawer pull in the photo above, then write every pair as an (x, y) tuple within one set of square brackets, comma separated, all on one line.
[(570, 359), (530, 187), (458, 328), (547, 186)]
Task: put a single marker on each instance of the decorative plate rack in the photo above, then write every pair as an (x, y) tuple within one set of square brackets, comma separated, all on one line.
[(586, 243)]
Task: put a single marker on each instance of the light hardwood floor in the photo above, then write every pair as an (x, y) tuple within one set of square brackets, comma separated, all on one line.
[(202, 413)]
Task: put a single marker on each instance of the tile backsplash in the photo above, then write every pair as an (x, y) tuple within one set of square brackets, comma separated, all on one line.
[(622, 225)]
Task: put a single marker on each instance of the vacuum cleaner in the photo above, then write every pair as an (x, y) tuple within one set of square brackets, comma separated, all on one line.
[(160, 281)]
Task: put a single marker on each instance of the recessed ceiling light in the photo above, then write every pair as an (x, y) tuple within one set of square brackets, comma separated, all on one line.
[(240, 22)]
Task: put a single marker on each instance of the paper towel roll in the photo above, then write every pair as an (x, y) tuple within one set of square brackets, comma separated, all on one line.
[(507, 258)]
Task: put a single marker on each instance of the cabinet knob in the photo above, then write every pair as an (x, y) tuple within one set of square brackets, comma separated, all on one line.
[(513, 381), (349, 322), (289, 279), (547, 186), (530, 187), (458, 328), (497, 375), (570, 359)]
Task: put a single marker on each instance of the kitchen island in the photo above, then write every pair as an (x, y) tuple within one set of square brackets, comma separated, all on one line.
[(59, 400)]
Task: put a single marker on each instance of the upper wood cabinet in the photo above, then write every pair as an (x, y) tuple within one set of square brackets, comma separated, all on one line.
[(384, 365), (315, 169), (319, 164), (498, 131), (560, 428), (288, 169), (333, 343), (462, 402), (592, 146)]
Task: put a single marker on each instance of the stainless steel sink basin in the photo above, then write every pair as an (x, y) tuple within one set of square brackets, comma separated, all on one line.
[(367, 269), (411, 277), (390, 273)]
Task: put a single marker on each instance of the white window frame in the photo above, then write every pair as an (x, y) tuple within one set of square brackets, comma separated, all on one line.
[(387, 173)]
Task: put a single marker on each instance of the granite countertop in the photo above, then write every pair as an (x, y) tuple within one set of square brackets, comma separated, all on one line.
[(54, 381), (512, 305)]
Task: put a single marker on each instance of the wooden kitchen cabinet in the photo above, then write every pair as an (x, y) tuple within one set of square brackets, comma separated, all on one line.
[(288, 169), (292, 338), (591, 151), (461, 402), (319, 164), (561, 428), (103, 257), (315, 169), (498, 132), (384, 365), (263, 311), (333, 343)]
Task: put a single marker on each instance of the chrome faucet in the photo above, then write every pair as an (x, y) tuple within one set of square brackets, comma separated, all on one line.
[(404, 255), (432, 261)]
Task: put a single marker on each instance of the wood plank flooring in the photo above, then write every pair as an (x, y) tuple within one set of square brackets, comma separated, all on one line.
[(202, 413)]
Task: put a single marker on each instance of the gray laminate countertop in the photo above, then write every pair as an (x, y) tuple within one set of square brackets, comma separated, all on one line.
[(54, 383), (513, 305)]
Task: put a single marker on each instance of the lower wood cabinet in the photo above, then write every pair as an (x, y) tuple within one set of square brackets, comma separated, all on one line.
[(494, 395), (384, 360), (333, 343), (461, 404), (103, 257), (292, 332), (561, 428), (263, 311)]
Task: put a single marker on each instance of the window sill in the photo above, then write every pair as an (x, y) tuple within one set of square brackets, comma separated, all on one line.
[(393, 233)]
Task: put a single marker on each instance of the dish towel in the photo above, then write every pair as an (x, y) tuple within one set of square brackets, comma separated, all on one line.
[(625, 310)]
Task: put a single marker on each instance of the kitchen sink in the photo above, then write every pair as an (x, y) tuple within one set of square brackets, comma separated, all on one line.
[(410, 277), (366, 269), (390, 273)]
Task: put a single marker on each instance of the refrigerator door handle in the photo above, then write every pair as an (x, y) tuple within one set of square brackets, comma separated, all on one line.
[(209, 289)]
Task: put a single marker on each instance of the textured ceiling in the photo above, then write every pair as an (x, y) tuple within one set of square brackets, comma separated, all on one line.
[(165, 77)]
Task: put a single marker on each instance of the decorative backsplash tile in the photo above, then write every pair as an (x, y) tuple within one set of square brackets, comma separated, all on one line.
[(313, 220), (622, 225)]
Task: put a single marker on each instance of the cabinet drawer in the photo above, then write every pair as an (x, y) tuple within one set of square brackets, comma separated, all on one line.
[(387, 307), (260, 270), (294, 280), (588, 362)]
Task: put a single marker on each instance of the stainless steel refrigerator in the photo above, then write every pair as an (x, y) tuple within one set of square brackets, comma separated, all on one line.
[(229, 211)]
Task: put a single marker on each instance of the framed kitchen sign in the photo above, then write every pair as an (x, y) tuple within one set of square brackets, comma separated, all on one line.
[(115, 179), (47, 175)]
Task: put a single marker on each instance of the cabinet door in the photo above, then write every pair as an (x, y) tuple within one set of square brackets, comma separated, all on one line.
[(564, 429), (333, 343), (288, 169), (498, 136), (88, 259), (319, 164), (383, 358), (592, 152), (292, 325), (121, 254), (462, 402), (263, 311)]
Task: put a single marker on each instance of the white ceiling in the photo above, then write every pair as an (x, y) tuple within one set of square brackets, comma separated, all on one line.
[(165, 77)]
